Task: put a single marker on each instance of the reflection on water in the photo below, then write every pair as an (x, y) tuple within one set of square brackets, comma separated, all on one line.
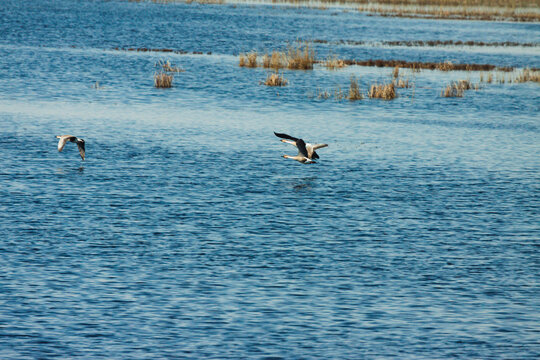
[(303, 184), (69, 169)]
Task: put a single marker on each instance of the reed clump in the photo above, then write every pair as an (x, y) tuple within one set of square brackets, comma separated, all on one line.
[(402, 83), (163, 80), (452, 90), (333, 63), (323, 94), (398, 81), (458, 88), (277, 60), (382, 91), (338, 94), (445, 66), (395, 73), (487, 78), (354, 90), (275, 79), (166, 66), (528, 75), (248, 60), (300, 57)]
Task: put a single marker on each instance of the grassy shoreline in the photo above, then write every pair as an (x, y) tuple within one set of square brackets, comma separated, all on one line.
[(484, 10)]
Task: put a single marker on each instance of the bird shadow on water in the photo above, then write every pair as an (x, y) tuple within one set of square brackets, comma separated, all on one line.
[(300, 184), (69, 170)]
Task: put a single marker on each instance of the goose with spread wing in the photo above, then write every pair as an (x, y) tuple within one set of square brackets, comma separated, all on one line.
[(306, 151), (65, 138), (310, 152)]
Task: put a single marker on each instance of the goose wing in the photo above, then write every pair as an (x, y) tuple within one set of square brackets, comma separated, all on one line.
[(80, 145), (301, 145), (63, 140), (285, 136), (318, 146)]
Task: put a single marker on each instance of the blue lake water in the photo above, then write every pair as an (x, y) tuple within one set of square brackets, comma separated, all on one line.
[(185, 234)]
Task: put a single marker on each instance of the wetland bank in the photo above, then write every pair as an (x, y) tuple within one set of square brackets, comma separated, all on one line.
[(185, 234)]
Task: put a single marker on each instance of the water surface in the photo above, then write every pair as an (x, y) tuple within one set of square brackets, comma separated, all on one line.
[(184, 234)]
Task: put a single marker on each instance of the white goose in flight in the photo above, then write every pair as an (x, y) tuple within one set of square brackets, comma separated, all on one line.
[(73, 139), (306, 151)]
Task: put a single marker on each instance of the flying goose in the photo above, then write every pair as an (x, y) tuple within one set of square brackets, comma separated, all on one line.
[(306, 150), (73, 139)]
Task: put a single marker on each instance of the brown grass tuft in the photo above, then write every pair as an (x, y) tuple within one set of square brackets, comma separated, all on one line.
[(338, 94), (323, 94), (382, 91), (278, 60), (458, 88), (445, 66), (354, 90), (402, 83), (464, 84), (452, 90), (528, 75), (275, 79), (252, 59), (248, 60), (395, 73), (163, 80), (334, 63), (297, 58), (242, 60), (300, 58), (166, 66)]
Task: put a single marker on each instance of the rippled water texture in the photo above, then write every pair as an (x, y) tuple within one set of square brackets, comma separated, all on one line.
[(185, 234)]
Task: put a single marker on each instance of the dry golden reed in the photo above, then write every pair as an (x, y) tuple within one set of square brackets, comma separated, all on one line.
[(402, 83), (252, 59), (382, 91), (333, 63), (300, 57), (323, 94), (458, 88), (278, 60), (338, 94), (395, 73), (528, 75), (452, 90), (248, 60), (354, 90), (275, 79), (163, 80), (166, 66)]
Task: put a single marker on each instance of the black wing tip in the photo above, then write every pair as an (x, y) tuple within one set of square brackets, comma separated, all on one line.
[(285, 136)]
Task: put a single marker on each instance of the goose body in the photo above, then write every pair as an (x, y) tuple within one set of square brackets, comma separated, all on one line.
[(65, 138), (306, 151)]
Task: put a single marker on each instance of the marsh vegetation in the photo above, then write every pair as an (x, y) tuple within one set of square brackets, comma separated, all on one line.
[(163, 79), (296, 57), (275, 79)]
